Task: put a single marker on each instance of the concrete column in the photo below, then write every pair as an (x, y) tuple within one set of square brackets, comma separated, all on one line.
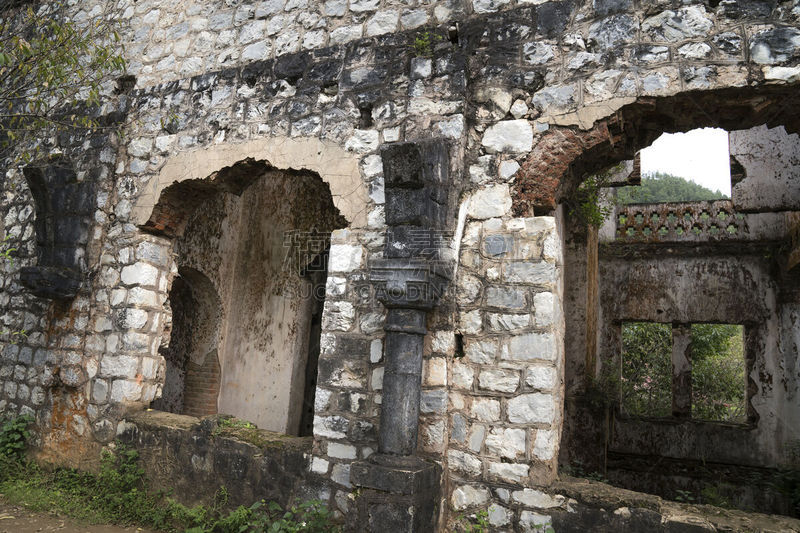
[(681, 371)]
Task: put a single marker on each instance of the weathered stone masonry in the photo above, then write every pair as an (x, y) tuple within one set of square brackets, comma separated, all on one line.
[(527, 98)]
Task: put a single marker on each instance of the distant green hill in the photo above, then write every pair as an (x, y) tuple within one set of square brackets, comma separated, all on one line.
[(660, 187)]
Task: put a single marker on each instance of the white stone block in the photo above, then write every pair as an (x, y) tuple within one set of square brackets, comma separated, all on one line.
[(463, 463), (125, 391), (494, 201), (536, 498), (140, 274), (383, 22), (341, 451), (376, 351), (486, 409), (511, 136), (531, 522), (466, 496), (481, 351), (506, 442), (377, 378), (509, 472), (531, 346), (541, 377), (338, 316), (544, 446), (532, 408), (344, 258), (544, 307), (499, 380), (122, 366), (319, 465), (462, 376), (363, 141), (436, 372)]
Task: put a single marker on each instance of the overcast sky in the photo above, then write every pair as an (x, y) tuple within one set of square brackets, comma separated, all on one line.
[(699, 155)]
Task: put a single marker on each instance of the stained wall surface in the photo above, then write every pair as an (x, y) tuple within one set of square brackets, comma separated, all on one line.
[(769, 159), (527, 96), (251, 248)]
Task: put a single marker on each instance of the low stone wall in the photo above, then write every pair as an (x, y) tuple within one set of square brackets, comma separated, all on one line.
[(196, 457), (577, 506)]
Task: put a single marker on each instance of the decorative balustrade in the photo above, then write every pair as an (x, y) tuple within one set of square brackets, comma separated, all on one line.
[(692, 222)]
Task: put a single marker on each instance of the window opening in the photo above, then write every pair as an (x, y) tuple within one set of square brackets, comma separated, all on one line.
[(718, 373), (695, 370), (683, 167)]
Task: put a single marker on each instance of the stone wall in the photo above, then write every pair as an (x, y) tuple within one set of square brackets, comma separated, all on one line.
[(527, 95), (194, 459), (768, 160)]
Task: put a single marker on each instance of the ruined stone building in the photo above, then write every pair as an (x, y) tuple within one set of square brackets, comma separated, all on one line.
[(351, 222)]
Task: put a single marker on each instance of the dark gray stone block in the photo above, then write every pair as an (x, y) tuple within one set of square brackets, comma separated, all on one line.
[(395, 475), (51, 282)]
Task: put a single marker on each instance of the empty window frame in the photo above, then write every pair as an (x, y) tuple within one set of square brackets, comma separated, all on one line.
[(718, 372), (684, 371)]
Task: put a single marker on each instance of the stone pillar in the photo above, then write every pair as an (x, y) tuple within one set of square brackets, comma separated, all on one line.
[(405, 334), (400, 491)]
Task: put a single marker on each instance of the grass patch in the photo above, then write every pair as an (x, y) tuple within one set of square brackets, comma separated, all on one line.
[(118, 494), (248, 432)]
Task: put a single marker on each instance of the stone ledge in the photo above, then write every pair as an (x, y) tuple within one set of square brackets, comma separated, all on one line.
[(603, 507), (195, 457)]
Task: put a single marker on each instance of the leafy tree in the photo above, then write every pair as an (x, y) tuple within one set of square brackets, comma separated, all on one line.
[(646, 385), (52, 74), (660, 187), (718, 368)]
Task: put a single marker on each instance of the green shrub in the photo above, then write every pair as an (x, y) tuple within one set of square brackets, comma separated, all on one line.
[(14, 435)]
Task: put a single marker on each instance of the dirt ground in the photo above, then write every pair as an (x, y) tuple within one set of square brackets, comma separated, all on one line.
[(16, 519)]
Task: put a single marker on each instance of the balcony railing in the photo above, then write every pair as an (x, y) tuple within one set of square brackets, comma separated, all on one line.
[(692, 222)]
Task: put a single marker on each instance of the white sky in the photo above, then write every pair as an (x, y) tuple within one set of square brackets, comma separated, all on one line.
[(700, 155)]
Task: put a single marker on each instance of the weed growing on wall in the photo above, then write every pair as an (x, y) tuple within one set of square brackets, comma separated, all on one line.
[(424, 43), (476, 523), (588, 204)]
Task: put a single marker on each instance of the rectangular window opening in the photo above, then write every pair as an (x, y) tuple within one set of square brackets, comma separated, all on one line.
[(646, 384), (718, 373)]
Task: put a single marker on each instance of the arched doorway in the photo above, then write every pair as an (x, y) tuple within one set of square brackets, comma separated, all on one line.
[(258, 237), (192, 377)]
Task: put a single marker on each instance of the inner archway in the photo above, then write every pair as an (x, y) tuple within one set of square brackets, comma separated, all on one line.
[(259, 237), (680, 267), (192, 377)]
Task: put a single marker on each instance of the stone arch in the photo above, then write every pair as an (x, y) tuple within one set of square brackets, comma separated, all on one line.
[(192, 376), (259, 236), (564, 155), (335, 166)]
